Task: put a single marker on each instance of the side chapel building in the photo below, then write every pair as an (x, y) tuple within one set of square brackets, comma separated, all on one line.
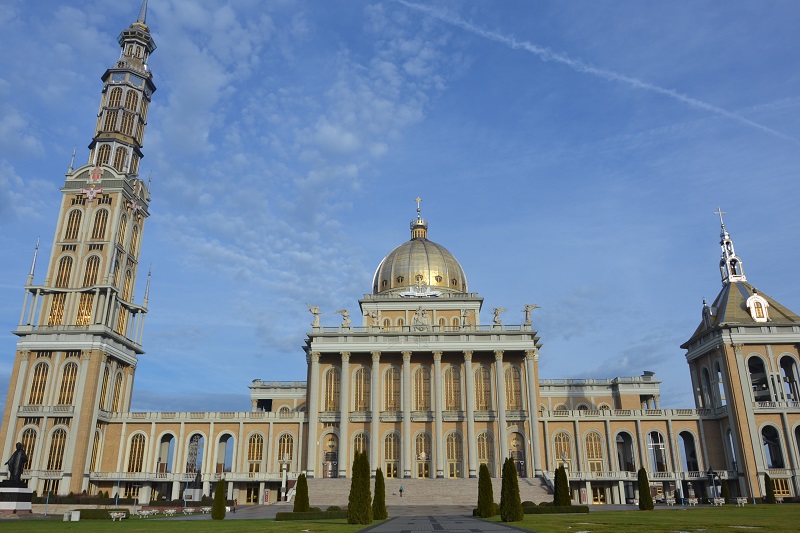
[(420, 384)]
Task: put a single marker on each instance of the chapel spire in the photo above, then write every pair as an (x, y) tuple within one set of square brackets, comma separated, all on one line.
[(419, 227), (730, 266)]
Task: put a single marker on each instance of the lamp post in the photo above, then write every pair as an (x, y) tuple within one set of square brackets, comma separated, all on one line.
[(284, 468), (711, 475)]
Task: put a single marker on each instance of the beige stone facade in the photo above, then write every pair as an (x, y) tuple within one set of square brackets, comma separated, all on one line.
[(418, 382)]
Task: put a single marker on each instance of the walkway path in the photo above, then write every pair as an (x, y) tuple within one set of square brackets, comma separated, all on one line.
[(444, 523)]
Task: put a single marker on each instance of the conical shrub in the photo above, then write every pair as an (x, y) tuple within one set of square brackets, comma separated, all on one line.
[(510, 503), (218, 507), (645, 498), (379, 499), (301, 503), (485, 493)]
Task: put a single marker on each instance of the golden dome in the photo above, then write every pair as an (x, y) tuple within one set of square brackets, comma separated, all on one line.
[(418, 266)]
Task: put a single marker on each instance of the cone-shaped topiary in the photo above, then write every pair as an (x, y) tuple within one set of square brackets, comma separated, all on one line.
[(218, 508), (359, 510), (485, 493), (379, 499), (301, 503), (725, 489), (645, 498), (561, 492), (770, 490), (510, 503)]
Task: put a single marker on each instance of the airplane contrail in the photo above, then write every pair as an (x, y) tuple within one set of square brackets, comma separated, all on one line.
[(545, 54)]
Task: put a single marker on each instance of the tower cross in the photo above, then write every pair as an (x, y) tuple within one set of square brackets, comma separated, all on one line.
[(419, 209), (720, 212)]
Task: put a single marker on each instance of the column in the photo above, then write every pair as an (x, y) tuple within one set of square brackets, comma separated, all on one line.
[(376, 391), (407, 437), (673, 455), (531, 357), (580, 466), (437, 417), (501, 405), (344, 416), (471, 438), (313, 415)]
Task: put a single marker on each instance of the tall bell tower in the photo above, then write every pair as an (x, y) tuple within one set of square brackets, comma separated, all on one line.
[(80, 329)]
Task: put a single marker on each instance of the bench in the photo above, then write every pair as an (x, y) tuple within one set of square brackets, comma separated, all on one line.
[(205, 510), (188, 510), (718, 502), (691, 501), (670, 501), (145, 513), (170, 512), (778, 500), (117, 516), (741, 502)]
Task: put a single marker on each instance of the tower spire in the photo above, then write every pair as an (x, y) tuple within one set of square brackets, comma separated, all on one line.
[(33, 263), (143, 13), (147, 287), (730, 266), (419, 228)]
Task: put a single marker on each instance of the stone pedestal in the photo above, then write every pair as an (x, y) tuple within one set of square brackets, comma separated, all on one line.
[(15, 498)]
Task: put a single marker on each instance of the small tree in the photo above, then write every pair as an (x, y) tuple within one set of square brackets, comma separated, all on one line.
[(485, 493), (561, 492), (359, 510), (510, 503), (301, 503), (645, 498), (769, 487), (379, 499), (218, 509), (725, 489)]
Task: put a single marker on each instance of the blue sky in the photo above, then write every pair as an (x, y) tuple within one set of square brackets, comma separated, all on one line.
[(569, 154)]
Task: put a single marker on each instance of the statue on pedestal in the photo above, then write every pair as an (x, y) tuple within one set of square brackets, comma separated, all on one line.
[(16, 464)]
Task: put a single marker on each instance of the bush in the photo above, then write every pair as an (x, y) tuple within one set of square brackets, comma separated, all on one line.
[(316, 515), (332, 508), (552, 509), (314, 510), (101, 514), (379, 499), (769, 487), (301, 503), (218, 508), (485, 493), (725, 490), (543, 504), (359, 509), (561, 493), (645, 498), (510, 504)]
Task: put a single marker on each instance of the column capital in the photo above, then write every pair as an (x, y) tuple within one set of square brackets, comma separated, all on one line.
[(468, 355), (345, 357), (498, 355), (314, 356), (437, 357), (532, 354), (376, 356), (406, 356)]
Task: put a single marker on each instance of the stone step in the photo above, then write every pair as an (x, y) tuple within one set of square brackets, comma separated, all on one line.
[(325, 492)]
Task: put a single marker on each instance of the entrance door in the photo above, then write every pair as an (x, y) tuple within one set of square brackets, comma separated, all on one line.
[(454, 469), (598, 495), (424, 469)]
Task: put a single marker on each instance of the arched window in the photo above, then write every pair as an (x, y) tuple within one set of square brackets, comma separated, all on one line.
[(625, 456), (116, 404), (56, 315), (194, 456), (361, 390), (135, 158), (483, 389), (583, 407), (332, 390), (143, 112), (115, 98), (387, 323), (255, 452), (513, 389), (127, 124), (286, 447), (392, 389), (120, 154), (442, 322), (688, 452), (560, 407), (87, 298), (789, 377), (58, 441), (28, 441), (136, 458), (104, 152), (486, 451), (773, 454), (104, 390), (38, 384), (93, 464), (64, 270), (422, 454), (73, 225), (707, 391), (758, 379), (122, 319), (658, 451), (131, 100), (225, 447), (422, 389), (594, 452), (391, 455), (284, 412), (361, 442), (166, 453), (562, 449), (452, 389), (110, 124), (68, 377), (123, 227), (454, 455), (720, 384)]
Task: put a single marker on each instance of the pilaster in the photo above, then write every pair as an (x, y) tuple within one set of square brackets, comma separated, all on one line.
[(407, 438), (531, 358), (502, 427), (471, 439), (437, 437), (376, 392), (344, 416), (313, 414)]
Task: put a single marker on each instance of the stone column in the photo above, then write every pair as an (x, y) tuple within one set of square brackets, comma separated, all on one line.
[(500, 384), (313, 414), (407, 437), (437, 417), (471, 439), (375, 392), (531, 357), (344, 416)]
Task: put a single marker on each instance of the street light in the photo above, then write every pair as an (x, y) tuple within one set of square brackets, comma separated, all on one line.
[(711, 475), (284, 468)]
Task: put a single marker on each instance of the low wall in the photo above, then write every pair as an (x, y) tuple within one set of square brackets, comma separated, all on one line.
[(61, 508)]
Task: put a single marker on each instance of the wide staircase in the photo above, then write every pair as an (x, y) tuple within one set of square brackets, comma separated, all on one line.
[(325, 492)]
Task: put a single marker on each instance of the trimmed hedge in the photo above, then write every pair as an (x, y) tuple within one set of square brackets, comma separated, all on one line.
[(83, 500), (321, 515), (556, 509), (101, 514)]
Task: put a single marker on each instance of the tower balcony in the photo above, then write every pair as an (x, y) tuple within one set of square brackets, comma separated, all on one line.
[(92, 329)]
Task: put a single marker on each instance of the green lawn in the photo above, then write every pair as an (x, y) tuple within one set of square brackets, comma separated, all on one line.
[(193, 526), (767, 518)]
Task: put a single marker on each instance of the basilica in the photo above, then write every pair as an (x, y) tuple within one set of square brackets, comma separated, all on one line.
[(417, 382)]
